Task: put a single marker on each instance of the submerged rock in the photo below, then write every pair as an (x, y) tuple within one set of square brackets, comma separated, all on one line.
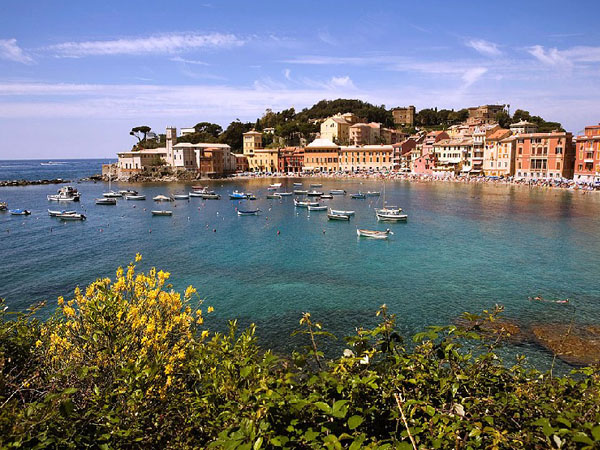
[(492, 330), (577, 345)]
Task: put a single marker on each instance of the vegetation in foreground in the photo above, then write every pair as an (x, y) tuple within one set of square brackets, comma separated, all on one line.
[(129, 363)]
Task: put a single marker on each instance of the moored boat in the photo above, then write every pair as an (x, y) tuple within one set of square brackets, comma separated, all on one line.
[(373, 234), (373, 194), (316, 185), (162, 213), (65, 194), (285, 193), (3, 206), (332, 216), (126, 192), (358, 195), (196, 194), (210, 196), (304, 204), (112, 194), (297, 184), (317, 208), (248, 212), (55, 213), (20, 212), (274, 196), (391, 217), (300, 192), (343, 213), (135, 197), (71, 216), (314, 194), (181, 196), (327, 196), (337, 192), (106, 201), (236, 195), (274, 186), (162, 198)]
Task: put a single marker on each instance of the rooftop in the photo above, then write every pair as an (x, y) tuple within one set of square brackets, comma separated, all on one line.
[(322, 143)]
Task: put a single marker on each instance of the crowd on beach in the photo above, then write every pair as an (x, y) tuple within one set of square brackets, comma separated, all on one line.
[(560, 183)]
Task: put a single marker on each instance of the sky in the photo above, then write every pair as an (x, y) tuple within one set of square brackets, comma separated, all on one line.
[(76, 76)]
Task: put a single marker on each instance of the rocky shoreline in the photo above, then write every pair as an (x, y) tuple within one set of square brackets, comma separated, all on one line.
[(6, 183)]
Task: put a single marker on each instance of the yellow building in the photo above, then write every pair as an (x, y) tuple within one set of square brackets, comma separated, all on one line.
[(337, 128), (264, 160), (252, 141), (369, 157), (321, 155)]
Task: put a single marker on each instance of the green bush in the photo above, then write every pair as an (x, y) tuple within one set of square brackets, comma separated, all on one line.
[(129, 364)]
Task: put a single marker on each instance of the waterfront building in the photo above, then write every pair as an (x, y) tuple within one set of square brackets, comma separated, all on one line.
[(337, 128), (402, 155), (264, 160), (367, 157), (424, 165), (430, 139), (199, 157), (321, 155), (544, 155), (523, 127), (479, 135), (453, 156), (291, 160), (404, 116), (498, 153), (587, 155), (251, 141), (483, 114), (241, 163), (132, 162)]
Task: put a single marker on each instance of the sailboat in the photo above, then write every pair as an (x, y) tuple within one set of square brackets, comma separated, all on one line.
[(111, 193), (390, 213)]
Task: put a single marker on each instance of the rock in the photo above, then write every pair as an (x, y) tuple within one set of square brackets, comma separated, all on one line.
[(491, 330), (577, 345)]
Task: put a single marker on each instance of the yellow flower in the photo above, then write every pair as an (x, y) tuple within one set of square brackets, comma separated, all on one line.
[(138, 257), (61, 300), (210, 309), (69, 311), (204, 334), (38, 343), (189, 291)]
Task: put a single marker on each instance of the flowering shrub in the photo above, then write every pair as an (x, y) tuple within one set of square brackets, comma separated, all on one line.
[(128, 363)]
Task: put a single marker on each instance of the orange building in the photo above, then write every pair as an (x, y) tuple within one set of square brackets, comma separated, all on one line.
[(587, 155), (321, 155), (291, 160), (544, 155)]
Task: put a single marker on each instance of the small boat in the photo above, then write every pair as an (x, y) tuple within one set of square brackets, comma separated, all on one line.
[(297, 184), (162, 213), (65, 194), (274, 186), (304, 204), (274, 196), (20, 212), (285, 194), (112, 194), (106, 201), (71, 216), (332, 216), (343, 213), (162, 198), (135, 197), (127, 192), (317, 208), (236, 195), (373, 194), (200, 188), (327, 196), (314, 194), (3, 206), (196, 194), (210, 196), (358, 195), (248, 212), (250, 196), (373, 234), (181, 196), (300, 192), (390, 217), (316, 185), (337, 192), (54, 213)]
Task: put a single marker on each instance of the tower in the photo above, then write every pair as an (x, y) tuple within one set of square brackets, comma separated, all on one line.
[(171, 136)]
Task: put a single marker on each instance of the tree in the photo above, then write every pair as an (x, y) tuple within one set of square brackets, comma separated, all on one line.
[(144, 130), (520, 115), (503, 119), (213, 129), (233, 135)]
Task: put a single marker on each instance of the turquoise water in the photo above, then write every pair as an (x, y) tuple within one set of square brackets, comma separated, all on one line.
[(464, 248)]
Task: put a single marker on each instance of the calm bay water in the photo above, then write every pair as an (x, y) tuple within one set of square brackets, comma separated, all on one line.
[(464, 248)]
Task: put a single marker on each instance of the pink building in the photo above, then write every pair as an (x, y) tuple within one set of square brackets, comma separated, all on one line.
[(424, 165)]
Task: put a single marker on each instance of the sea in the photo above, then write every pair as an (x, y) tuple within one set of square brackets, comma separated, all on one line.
[(464, 248)]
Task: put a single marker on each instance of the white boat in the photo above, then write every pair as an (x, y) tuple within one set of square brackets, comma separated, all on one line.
[(274, 196), (106, 201), (274, 186), (304, 204), (332, 216), (373, 234), (210, 196), (65, 194), (249, 212), (181, 196), (111, 193), (298, 184), (390, 214), (126, 192), (327, 196), (55, 213), (316, 185), (358, 195), (162, 198), (317, 208), (196, 194), (71, 216), (3, 206), (300, 192), (373, 194), (343, 213), (314, 194), (285, 194), (135, 197), (162, 213), (337, 192)]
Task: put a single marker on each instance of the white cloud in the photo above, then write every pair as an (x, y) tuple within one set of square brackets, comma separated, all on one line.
[(287, 73), (344, 82), (189, 61), (163, 43), (11, 51), (484, 47), (551, 57), (472, 75)]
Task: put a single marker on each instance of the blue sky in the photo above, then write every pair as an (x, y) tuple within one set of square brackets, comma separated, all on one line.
[(75, 76)]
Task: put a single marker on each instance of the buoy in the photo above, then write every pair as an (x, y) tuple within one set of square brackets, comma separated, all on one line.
[(278, 232), (214, 230)]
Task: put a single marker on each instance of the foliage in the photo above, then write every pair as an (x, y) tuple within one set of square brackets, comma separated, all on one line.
[(129, 364), (543, 126), (143, 130), (364, 110), (233, 135), (432, 117)]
